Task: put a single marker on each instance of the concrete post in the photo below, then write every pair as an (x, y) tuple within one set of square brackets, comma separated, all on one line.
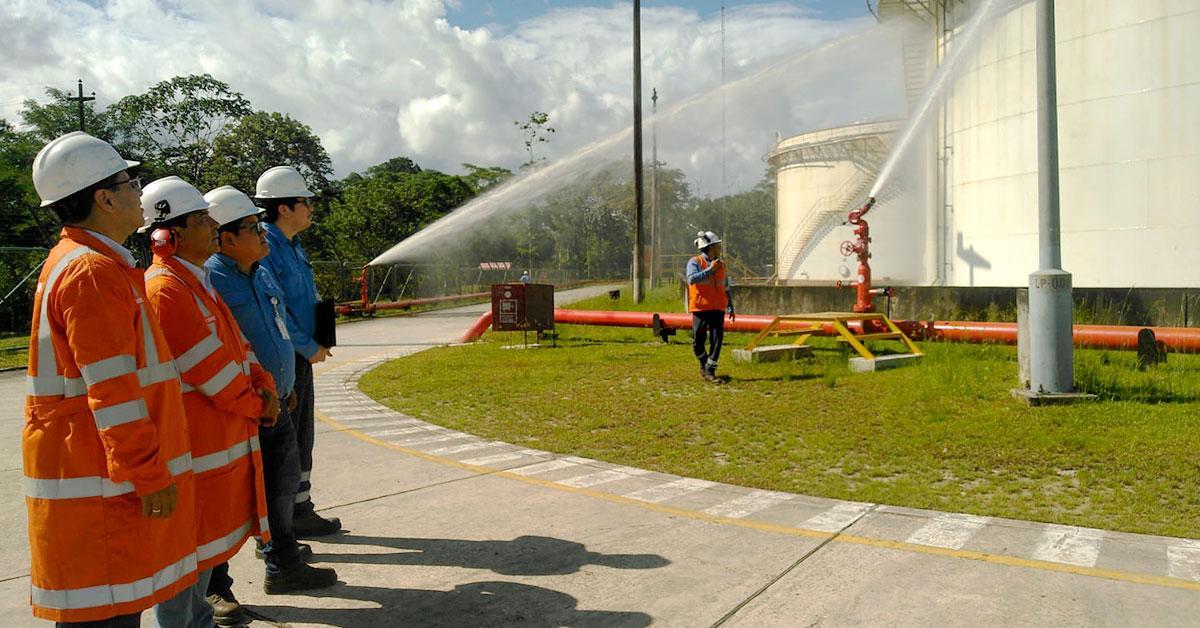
[(1051, 364), (639, 252)]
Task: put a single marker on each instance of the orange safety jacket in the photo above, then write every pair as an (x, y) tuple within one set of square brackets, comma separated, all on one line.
[(104, 426), (221, 378), (710, 293)]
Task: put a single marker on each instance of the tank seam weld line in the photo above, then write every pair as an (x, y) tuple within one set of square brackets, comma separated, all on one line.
[(902, 546)]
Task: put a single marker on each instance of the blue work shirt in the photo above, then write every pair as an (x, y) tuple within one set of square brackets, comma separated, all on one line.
[(258, 306), (291, 270)]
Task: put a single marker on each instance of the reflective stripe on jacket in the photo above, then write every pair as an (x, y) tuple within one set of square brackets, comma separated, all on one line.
[(257, 304), (708, 291), (222, 405), (291, 270), (104, 426)]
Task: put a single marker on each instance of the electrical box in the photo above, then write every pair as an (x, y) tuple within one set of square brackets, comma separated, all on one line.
[(522, 306)]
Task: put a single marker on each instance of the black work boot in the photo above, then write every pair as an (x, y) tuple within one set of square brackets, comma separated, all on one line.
[(310, 525), (299, 578), (305, 551), (227, 612)]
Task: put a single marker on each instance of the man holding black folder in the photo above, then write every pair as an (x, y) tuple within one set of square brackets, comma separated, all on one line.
[(285, 198)]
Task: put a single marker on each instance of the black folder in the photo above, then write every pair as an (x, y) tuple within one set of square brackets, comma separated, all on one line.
[(326, 328)]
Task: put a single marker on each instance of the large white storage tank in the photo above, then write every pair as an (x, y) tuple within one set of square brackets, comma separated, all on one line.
[(1129, 144)]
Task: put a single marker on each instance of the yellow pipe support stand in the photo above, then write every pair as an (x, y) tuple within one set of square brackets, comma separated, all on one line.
[(807, 324)]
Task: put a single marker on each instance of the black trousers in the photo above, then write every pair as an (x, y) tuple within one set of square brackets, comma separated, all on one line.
[(120, 621), (708, 325), (303, 419), (281, 476)]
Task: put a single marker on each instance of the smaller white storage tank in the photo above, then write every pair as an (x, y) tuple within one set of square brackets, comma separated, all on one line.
[(822, 175)]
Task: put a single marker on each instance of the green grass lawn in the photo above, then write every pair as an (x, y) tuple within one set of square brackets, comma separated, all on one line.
[(14, 351), (944, 434)]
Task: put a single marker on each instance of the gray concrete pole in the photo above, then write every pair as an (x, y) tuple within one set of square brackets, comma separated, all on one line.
[(638, 228), (1051, 367), (655, 222)]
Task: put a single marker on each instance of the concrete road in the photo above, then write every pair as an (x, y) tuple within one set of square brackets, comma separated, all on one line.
[(446, 529)]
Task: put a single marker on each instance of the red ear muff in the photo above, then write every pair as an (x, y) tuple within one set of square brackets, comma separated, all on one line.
[(162, 242)]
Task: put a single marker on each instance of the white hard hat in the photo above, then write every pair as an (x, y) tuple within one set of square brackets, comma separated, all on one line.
[(705, 238), (228, 204), (73, 162), (282, 182), (169, 198)]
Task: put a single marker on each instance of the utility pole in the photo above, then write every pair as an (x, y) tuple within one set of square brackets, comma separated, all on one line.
[(655, 219), (1051, 357), (82, 99), (638, 252), (724, 183)]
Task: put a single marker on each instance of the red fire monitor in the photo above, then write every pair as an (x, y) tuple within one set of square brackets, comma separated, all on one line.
[(522, 306)]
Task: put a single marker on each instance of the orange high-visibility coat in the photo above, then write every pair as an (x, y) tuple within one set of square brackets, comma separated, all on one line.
[(221, 378), (710, 293), (104, 426)]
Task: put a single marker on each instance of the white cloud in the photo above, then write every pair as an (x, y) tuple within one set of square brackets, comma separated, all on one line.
[(376, 79)]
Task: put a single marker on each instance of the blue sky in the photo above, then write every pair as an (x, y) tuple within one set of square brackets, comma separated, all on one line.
[(504, 14)]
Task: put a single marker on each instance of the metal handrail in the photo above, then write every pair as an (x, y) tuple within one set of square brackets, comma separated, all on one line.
[(843, 190)]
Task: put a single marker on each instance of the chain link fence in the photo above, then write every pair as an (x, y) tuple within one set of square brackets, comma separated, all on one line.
[(342, 281)]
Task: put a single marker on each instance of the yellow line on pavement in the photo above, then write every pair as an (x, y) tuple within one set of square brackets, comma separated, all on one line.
[(996, 559)]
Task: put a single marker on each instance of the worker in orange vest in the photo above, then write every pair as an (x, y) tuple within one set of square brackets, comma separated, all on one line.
[(227, 394), (709, 300), (108, 471)]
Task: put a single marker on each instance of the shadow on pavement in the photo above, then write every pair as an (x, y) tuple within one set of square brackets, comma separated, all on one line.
[(472, 604), (522, 556)]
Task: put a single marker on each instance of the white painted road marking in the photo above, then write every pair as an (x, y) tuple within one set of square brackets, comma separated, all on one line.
[(1069, 545), (494, 458), (397, 432), (838, 517), (543, 467), (458, 449), (1184, 560), (603, 477), (366, 413), (748, 504), (663, 492), (948, 530), (425, 440)]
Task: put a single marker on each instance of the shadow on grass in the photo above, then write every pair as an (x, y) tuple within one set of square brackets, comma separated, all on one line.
[(782, 378), (473, 604), (522, 556), (1141, 393)]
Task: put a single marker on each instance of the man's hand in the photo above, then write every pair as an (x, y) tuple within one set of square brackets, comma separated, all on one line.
[(320, 356), (293, 401), (160, 504), (271, 407), (732, 316)]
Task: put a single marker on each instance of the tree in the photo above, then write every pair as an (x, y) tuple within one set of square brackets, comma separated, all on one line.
[(262, 140), (535, 131), (484, 178), (172, 126), (378, 210), (395, 165), (60, 116), (750, 238), (22, 222)]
